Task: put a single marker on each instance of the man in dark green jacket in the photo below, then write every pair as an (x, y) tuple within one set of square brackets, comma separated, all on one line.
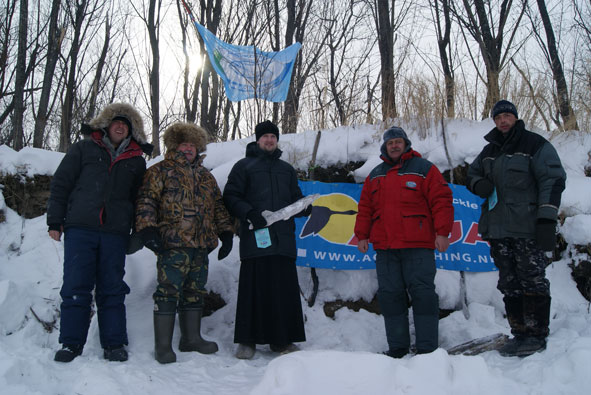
[(520, 175)]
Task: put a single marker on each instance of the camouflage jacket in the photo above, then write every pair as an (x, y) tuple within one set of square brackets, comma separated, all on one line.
[(184, 202)]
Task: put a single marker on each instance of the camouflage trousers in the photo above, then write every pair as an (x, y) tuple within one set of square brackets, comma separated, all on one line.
[(182, 274), (522, 267)]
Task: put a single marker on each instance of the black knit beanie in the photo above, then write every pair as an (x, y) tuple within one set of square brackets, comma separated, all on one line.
[(264, 128), (504, 106)]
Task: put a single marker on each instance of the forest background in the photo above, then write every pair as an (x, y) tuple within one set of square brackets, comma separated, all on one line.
[(421, 62)]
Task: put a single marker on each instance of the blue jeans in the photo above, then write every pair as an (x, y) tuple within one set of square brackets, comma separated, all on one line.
[(93, 260), (403, 272)]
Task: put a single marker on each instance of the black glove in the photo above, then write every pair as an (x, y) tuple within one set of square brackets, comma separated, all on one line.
[(305, 212), (227, 239), (256, 219), (546, 234), (152, 239), (483, 188), (135, 243)]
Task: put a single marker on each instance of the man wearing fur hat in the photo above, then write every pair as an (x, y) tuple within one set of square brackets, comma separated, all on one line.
[(405, 211), (180, 215), (92, 200), (269, 308), (520, 175)]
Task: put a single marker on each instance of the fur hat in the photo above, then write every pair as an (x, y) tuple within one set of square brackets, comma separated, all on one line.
[(504, 106), (184, 132), (264, 128), (125, 112)]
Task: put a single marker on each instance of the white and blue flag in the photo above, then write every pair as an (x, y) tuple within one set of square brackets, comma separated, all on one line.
[(242, 68)]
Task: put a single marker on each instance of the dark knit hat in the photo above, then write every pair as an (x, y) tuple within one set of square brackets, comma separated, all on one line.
[(395, 132), (125, 120), (264, 128), (504, 106)]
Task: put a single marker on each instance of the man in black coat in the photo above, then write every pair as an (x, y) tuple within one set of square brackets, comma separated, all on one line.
[(269, 309), (92, 201)]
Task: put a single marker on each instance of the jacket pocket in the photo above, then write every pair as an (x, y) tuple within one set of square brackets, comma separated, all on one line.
[(377, 233), (518, 174), (417, 227), (521, 217)]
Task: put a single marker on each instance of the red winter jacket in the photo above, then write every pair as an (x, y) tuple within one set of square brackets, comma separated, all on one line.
[(404, 205)]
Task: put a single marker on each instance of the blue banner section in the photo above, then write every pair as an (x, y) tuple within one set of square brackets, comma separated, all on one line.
[(242, 68), (325, 239)]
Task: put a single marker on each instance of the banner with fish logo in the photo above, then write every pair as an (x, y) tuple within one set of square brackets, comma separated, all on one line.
[(325, 239)]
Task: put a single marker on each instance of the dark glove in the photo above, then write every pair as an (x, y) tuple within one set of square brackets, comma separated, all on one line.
[(152, 239), (305, 212), (227, 239), (256, 219), (546, 234), (135, 243), (483, 188)]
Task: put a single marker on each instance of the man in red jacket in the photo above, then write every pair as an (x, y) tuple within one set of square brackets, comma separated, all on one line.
[(406, 212)]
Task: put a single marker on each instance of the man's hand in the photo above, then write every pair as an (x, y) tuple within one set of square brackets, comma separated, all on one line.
[(55, 235), (363, 245), (483, 188), (227, 239), (55, 231), (546, 234), (441, 243), (256, 219), (152, 239)]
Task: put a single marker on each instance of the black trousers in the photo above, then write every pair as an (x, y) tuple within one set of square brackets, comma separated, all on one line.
[(269, 308)]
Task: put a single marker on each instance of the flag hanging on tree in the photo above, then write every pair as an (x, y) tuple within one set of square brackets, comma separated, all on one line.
[(242, 68)]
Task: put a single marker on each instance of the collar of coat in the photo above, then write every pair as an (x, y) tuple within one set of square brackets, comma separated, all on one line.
[(254, 151), (97, 135), (411, 153), (181, 159), (496, 137)]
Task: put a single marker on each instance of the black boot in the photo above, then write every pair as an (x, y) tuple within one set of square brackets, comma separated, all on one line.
[(514, 310), (191, 340), (529, 317), (164, 315), (68, 352), (536, 314)]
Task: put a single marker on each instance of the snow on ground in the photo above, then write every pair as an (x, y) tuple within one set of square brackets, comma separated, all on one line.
[(341, 355)]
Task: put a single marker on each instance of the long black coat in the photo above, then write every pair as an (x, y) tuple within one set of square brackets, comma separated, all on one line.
[(262, 181), (90, 191)]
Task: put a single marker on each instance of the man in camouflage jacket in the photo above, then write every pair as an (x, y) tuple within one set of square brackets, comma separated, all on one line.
[(180, 215)]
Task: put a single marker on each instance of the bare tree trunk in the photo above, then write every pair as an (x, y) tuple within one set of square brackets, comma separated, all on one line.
[(490, 42), (20, 78), (298, 19), (68, 103), (187, 95), (54, 40), (564, 106), (153, 32), (386, 47), (443, 41), (99, 71)]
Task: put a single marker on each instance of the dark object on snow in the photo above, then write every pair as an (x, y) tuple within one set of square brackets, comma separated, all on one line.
[(68, 352), (480, 345)]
